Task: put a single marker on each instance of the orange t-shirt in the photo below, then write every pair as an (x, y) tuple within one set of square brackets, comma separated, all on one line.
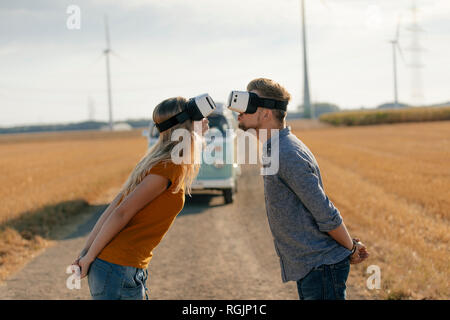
[(134, 244)]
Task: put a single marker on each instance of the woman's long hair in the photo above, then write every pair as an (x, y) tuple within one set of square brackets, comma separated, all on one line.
[(161, 151)]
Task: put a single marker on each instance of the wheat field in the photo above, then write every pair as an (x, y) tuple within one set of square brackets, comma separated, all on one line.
[(391, 184)]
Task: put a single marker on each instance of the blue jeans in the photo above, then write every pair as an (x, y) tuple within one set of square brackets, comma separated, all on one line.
[(109, 281), (326, 282)]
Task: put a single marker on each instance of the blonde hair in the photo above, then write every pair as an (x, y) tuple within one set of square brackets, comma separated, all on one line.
[(273, 90), (161, 151)]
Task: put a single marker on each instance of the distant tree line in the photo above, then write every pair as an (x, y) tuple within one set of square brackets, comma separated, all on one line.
[(86, 125), (319, 108)]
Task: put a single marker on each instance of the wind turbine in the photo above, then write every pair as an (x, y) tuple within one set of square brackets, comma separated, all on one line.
[(107, 51), (395, 47)]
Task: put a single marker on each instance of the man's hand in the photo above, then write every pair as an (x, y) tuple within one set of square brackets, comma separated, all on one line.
[(360, 253)]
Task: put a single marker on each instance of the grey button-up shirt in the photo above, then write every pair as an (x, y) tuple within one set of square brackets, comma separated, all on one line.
[(298, 210)]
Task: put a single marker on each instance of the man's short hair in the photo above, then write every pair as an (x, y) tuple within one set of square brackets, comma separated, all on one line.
[(273, 90)]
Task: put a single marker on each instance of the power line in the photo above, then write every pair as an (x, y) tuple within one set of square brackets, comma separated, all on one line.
[(416, 64)]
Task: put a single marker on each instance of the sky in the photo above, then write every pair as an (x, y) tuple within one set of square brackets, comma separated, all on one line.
[(53, 73)]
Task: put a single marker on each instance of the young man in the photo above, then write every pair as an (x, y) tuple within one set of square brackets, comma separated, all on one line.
[(310, 237)]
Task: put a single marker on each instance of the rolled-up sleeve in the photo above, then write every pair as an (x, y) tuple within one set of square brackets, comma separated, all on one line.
[(299, 176)]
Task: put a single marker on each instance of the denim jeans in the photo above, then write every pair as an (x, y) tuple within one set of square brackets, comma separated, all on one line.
[(326, 282), (109, 281)]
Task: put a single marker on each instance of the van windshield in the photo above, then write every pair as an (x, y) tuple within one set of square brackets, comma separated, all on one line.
[(218, 121)]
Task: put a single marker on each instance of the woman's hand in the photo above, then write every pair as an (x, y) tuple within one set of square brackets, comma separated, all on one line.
[(84, 263), (360, 253), (75, 262), (82, 253)]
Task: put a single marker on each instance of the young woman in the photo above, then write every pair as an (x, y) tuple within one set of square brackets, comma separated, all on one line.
[(119, 248)]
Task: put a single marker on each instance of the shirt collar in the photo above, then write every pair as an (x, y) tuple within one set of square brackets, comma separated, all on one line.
[(278, 134)]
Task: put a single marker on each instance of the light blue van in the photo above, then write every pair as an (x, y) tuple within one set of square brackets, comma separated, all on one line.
[(219, 144)]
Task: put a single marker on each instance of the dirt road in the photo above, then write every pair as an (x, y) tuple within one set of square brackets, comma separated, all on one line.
[(213, 251)]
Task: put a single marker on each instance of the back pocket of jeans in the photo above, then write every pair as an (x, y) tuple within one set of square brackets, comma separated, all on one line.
[(98, 277), (133, 286)]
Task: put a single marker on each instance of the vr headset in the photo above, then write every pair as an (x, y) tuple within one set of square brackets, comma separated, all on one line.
[(197, 108), (248, 102)]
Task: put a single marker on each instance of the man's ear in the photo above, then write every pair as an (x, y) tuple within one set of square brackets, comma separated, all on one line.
[(268, 114), (262, 116)]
